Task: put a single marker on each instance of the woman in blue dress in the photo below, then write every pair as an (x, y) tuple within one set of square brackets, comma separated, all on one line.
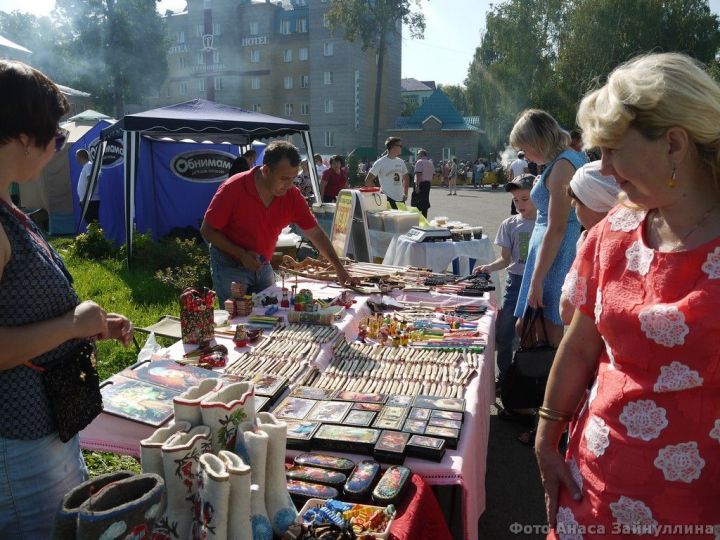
[(552, 244)]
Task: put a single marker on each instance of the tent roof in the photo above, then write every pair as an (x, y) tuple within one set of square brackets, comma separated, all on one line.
[(89, 116), (203, 120), (5, 42)]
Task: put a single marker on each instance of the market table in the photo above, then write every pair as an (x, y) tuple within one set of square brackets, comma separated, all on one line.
[(437, 256), (463, 468)]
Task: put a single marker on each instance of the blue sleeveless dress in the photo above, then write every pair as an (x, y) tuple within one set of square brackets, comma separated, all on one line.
[(566, 254)]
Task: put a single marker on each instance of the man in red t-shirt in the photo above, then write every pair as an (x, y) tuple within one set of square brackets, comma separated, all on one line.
[(333, 180), (246, 216)]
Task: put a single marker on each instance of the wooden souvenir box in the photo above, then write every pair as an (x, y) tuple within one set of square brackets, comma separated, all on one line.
[(300, 433), (346, 438), (423, 447), (392, 485), (325, 461), (361, 481), (316, 475), (390, 447)]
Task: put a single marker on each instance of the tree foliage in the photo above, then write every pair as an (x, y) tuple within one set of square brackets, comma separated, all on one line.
[(374, 23), (548, 53)]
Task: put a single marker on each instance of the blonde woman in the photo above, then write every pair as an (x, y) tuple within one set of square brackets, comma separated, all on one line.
[(552, 245), (644, 452)]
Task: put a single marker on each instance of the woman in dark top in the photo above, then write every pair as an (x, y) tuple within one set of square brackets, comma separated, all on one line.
[(41, 317)]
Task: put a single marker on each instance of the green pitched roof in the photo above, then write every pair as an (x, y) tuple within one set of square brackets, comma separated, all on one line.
[(439, 106)]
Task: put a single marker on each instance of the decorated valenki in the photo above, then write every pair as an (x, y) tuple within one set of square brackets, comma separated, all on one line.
[(225, 410), (279, 505), (151, 448), (181, 463), (239, 519), (214, 497), (187, 404), (126, 508), (196, 316), (65, 526), (257, 446)]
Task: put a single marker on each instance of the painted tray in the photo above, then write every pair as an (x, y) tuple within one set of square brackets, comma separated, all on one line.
[(292, 408), (137, 400), (435, 402), (167, 373), (330, 412), (344, 395)]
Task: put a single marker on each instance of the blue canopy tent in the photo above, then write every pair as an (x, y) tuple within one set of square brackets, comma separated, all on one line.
[(178, 154)]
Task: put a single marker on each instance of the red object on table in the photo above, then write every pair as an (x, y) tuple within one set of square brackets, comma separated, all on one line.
[(419, 516)]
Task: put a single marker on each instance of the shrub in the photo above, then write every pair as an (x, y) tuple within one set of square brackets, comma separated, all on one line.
[(92, 244)]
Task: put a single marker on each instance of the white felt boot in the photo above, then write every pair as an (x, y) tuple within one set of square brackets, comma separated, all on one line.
[(150, 454), (187, 404), (239, 521), (223, 412), (257, 444), (181, 462), (280, 508), (214, 497)]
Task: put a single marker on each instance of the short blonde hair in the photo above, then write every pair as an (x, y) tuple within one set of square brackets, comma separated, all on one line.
[(652, 93), (539, 131)]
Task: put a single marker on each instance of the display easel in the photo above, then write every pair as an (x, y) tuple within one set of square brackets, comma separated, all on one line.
[(349, 233)]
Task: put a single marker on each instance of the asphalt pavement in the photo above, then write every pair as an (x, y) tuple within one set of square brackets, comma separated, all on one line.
[(514, 496)]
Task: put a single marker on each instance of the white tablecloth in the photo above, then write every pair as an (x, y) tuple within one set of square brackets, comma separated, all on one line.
[(438, 256)]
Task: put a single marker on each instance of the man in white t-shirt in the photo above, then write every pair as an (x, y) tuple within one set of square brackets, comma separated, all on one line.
[(391, 172), (518, 167)]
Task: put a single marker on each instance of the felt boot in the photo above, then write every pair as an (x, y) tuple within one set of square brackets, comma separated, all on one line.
[(187, 404), (239, 521), (214, 497), (150, 455), (181, 462), (280, 508), (124, 509), (65, 526), (223, 412), (257, 443)]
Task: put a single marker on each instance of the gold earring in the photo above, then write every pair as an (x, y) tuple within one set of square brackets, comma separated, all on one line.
[(672, 183)]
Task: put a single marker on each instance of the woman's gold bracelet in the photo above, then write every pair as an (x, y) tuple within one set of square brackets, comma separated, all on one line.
[(553, 415)]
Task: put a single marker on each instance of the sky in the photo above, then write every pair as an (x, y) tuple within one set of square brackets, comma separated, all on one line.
[(453, 31)]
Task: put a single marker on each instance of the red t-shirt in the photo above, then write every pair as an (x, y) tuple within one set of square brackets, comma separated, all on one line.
[(335, 182), (237, 211)]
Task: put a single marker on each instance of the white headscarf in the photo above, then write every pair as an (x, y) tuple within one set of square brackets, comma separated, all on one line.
[(596, 191)]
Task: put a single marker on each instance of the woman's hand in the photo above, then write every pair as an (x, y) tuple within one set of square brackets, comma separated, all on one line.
[(535, 294), (120, 328), (88, 320), (554, 472), (482, 269)]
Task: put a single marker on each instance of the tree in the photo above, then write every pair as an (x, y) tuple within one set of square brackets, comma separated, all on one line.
[(118, 47), (457, 96), (373, 23)]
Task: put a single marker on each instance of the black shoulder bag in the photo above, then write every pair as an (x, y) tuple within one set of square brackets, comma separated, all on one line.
[(72, 386), (524, 384)]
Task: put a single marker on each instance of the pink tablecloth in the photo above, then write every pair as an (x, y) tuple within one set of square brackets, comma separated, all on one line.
[(463, 467)]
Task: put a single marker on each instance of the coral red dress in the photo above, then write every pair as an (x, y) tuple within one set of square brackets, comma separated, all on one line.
[(646, 448)]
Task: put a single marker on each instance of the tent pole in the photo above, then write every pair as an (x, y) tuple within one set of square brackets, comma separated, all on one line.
[(94, 179), (314, 180)]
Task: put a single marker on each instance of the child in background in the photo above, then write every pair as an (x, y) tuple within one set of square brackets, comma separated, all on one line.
[(592, 195), (513, 237)]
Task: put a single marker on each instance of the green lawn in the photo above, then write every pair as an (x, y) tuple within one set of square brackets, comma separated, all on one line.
[(136, 294)]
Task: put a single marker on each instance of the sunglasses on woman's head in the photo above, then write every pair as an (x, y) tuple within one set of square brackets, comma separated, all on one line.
[(60, 137)]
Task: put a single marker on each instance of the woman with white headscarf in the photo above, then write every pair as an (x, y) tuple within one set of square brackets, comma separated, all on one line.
[(592, 195)]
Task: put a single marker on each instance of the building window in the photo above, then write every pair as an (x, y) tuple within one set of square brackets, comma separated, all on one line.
[(285, 26), (287, 55), (181, 62), (254, 28), (183, 88), (180, 37), (216, 29), (328, 77), (257, 108), (302, 26), (199, 30), (303, 54), (326, 21), (288, 109), (255, 83), (201, 58), (329, 106), (304, 81), (304, 109), (201, 85), (327, 49), (254, 56), (218, 83), (329, 139), (216, 56), (448, 153), (288, 83)]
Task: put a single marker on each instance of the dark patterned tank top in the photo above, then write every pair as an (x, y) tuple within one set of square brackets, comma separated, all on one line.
[(35, 286)]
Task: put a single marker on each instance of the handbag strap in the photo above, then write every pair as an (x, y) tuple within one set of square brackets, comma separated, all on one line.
[(28, 363), (529, 317)]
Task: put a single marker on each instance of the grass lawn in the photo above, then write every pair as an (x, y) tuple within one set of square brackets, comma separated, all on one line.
[(138, 295)]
